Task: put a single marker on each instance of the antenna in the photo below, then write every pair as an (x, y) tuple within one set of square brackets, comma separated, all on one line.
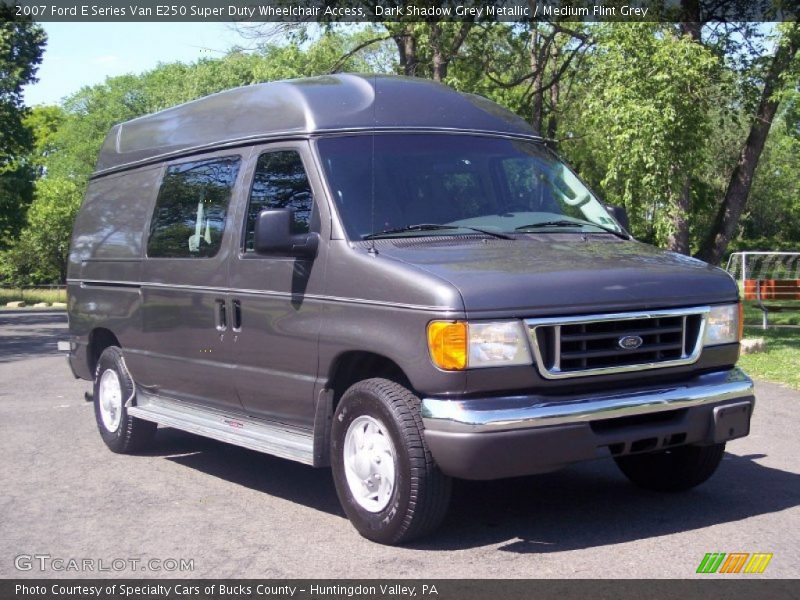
[(373, 249)]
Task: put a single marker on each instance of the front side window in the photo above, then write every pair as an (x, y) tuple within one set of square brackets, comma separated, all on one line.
[(440, 184), (191, 208), (279, 181)]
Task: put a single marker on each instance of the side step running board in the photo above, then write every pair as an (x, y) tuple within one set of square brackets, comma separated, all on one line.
[(260, 436)]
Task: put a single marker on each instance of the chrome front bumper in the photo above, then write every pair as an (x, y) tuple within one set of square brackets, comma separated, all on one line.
[(484, 415), (493, 438)]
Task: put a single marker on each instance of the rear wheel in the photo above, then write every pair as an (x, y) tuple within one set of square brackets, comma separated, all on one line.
[(673, 470), (388, 484), (113, 387)]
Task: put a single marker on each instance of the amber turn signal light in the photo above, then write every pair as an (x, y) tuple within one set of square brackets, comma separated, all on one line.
[(447, 342)]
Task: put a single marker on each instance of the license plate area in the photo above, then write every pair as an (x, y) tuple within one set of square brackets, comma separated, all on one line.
[(732, 421)]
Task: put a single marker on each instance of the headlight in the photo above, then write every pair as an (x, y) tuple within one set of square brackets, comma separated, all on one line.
[(455, 346), (723, 325)]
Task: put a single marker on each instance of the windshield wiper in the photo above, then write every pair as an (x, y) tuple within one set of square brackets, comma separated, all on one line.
[(565, 223), (435, 227), (497, 234)]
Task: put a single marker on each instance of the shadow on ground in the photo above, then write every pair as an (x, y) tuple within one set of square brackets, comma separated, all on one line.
[(588, 505), (30, 335), (275, 476)]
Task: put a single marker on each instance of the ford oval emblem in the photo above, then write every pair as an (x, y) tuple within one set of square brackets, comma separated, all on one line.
[(629, 342)]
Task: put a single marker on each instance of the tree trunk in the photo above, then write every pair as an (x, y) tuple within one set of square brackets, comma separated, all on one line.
[(552, 117), (407, 49), (691, 23), (439, 60), (735, 199), (679, 239), (537, 114)]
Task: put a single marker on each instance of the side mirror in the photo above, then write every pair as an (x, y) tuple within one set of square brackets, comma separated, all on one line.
[(273, 235), (621, 215)]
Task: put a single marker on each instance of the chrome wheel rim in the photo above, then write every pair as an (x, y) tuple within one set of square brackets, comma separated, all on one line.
[(110, 400), (369, 463)]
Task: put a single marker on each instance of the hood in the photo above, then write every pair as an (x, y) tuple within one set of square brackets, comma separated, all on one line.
[(561, 274)]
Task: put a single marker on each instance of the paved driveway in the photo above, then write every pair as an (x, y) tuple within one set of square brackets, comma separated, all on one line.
[(241, 514)]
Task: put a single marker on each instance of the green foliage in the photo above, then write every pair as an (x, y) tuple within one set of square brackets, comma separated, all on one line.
[(21, 47), (40, 253), (645, 118), (501, 49), (776, 191), (16, 193), (43, 122)]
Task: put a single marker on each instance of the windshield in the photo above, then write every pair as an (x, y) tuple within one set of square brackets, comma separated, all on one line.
[(464, 183)]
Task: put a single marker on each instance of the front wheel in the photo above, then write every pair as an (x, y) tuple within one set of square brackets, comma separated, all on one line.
[(386, 480), (673, 470)]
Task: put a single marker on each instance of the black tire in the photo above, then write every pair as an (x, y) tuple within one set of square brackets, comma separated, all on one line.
[(674, 470), (131, 434), (421, 494)]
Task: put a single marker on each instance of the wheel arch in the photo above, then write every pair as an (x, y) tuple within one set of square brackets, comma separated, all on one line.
[(353, 366), (346, 369), (100, 338)]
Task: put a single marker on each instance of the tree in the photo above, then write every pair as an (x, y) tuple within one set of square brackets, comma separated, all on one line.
[(733, 204), (644, 115), (427, 49), (538, 58), (40, 253), (776, 189), (16, 193), (21, 47), (43, 122)]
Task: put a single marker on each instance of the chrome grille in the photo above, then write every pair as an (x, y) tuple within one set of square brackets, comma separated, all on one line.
[(613, 343)]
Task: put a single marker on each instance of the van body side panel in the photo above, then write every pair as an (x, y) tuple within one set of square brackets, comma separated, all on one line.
[(105, 261), (375, 304)]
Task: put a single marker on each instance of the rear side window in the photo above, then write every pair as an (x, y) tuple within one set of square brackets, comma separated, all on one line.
[(191, 208), (279, 181)]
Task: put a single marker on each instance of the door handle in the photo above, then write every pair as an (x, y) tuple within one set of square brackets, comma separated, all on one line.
[(237, 315), (220, 315)]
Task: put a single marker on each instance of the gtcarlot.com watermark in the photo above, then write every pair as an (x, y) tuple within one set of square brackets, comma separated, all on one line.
[(58, 564)]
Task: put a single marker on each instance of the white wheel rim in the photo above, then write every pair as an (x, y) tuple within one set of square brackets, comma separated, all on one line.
[(110, 400), (369, 463)]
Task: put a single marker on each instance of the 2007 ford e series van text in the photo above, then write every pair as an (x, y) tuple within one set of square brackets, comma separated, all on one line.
[(387, 277)]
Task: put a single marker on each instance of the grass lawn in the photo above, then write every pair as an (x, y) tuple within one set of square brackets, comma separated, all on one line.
[(780, 362), (31, 296)]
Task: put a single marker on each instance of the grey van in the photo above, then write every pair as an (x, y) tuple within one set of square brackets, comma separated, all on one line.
[(399, 281)]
